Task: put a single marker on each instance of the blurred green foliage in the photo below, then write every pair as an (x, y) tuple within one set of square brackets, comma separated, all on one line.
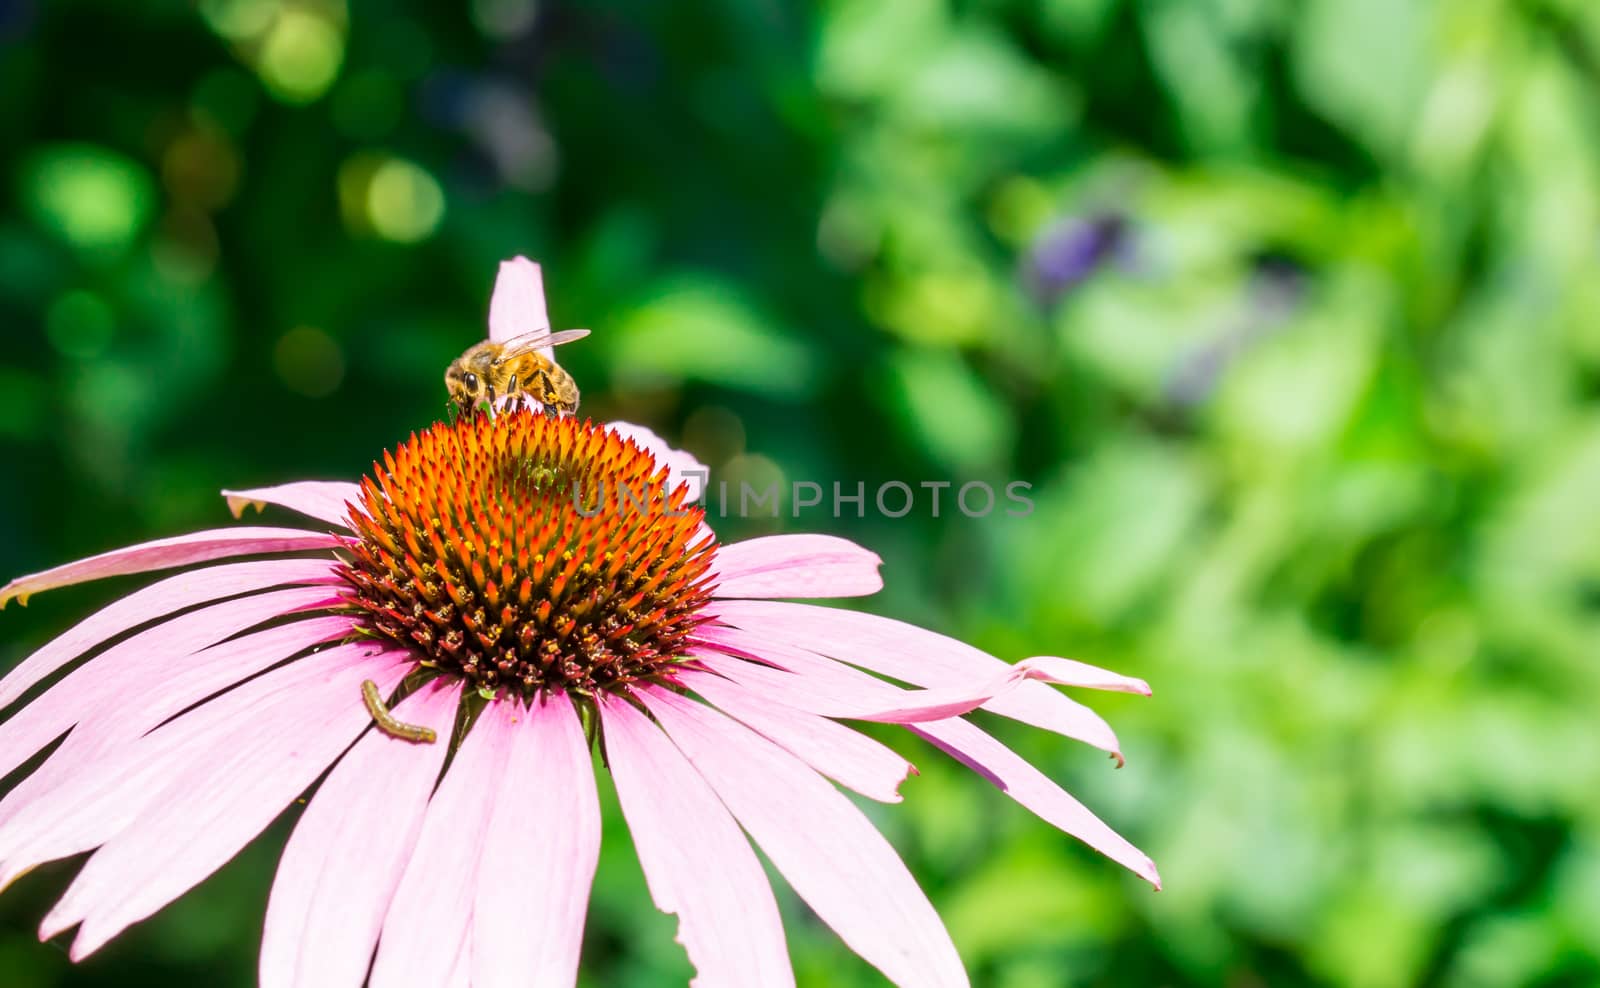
[(1289, 312)]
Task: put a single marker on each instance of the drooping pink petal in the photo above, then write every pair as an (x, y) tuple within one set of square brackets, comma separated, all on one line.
[(697, 863), (857, 696), (111, 793), (1030, 787), (1011, 773), (158, 600), (939, 703), (891, 705), (430, 917), (533, 894), (797, 566), (914, 655), (682, 466), (793, 676), (837, 861), (1071, 672), (324, 500), (180, 550), (177, 683), (344, 859), (208, 811), (132, 663), (848, 757), (517, 306), (840, 691), (812, 693)]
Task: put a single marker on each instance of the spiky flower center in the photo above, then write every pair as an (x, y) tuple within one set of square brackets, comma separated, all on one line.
[(527, 553)]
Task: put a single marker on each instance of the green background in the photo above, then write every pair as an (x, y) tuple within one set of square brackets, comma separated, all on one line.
[(1290, 312)]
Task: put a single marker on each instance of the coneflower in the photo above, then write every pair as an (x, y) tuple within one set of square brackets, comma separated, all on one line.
[(468, 624)]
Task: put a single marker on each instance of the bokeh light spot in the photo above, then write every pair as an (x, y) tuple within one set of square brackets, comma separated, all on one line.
[(93, 197), (757, 491), (239, 20), (942, 307), (504, 19), (300, 56), (201, 167), (1019, 208), (80, 324), (714, 434), (404, 203), (309, 362), (187, 250), (355, 176), (848, 236)]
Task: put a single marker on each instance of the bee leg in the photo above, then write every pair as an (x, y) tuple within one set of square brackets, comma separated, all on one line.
[(547, 397)]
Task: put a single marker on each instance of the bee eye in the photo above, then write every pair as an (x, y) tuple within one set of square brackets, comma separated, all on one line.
[(471, 381)]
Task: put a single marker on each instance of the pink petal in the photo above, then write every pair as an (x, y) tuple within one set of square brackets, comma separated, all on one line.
[(827, 849), (816, 694), (460, 975), (796, 566), (848, 757), (1012, 774), (129, 665), (696, 861), (430, 916), (178, 682), (517, 305), (157, 600), (834, 689), (1030, 787), (181, 685), (1071, 672), (324, 500), (110, 794), (208, 811), (533, 894), (180, 550), (914, 655), (916, 706), (682, 466), (344, 859)]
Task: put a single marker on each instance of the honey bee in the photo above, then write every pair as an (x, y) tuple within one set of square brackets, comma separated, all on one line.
[(490, 371)]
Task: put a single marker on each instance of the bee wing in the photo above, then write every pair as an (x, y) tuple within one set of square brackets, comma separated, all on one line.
[(539, 339)]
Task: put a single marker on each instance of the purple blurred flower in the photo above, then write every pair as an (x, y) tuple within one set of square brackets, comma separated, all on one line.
[(1066, 254)]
